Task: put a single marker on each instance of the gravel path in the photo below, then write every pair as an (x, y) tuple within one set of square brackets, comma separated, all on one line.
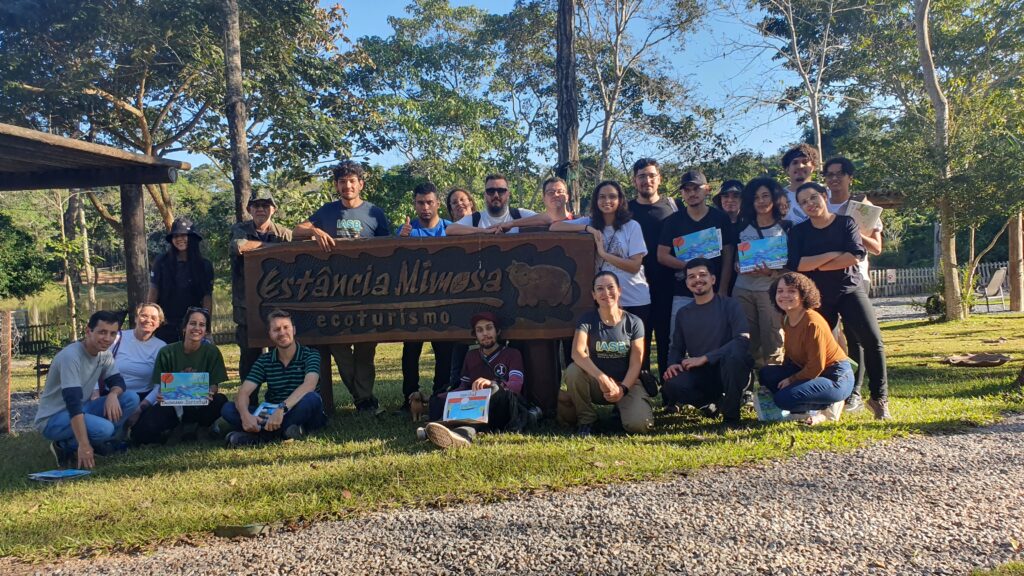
[(923, 505)]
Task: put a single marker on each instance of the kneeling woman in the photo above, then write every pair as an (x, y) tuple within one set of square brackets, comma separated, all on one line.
[(607, 353), (816, 374), (189, 355)]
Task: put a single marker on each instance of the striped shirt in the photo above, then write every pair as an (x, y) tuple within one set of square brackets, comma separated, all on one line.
[(283, 380)]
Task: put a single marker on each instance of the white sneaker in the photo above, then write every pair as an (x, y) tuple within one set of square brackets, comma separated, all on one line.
[(835, 411), (444, 438)]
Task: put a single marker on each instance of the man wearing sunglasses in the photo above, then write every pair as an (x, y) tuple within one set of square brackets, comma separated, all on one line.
[(245, 237), (498, 217)]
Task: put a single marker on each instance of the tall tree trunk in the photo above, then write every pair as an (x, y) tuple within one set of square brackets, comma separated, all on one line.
[(69, 288), (70, 217), (1015, 271), (136, 254), (568, 107), (950, 272), (90, 271), (236, 113)]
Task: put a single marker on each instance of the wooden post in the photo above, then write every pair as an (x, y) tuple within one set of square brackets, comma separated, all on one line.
[(6, 324), (1015, 270), (136, 255)]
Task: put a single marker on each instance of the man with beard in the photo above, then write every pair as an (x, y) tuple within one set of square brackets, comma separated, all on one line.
[(292, 374), (698, 216), (492, 365), (650, 209), (709, 359), (498, 217)]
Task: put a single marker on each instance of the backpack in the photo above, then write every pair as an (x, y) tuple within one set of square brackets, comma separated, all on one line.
[(514, 212)]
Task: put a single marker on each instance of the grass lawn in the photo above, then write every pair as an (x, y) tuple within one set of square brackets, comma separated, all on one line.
[(1011, 569), (358, 464)]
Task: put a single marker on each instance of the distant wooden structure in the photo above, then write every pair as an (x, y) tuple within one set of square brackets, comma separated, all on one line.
[(33, 160)]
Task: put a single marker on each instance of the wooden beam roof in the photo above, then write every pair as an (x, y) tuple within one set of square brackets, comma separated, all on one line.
[(33, 160)]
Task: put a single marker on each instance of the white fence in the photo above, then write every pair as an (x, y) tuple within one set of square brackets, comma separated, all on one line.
[(913, 281)]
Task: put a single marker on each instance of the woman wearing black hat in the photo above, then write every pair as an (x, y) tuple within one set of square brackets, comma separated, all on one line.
[(181, 278)]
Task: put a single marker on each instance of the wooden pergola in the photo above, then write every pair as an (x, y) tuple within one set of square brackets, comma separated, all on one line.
[(33, 160)]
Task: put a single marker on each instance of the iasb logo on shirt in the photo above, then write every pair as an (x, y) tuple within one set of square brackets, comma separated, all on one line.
[(615, 347), (501, 371), (349, 228)]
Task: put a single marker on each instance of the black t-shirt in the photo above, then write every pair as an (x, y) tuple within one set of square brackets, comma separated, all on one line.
[(650, 218), (842, 235), (681, 224), (610, 345)]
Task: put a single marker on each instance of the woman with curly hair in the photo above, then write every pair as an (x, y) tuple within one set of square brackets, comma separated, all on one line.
[(816, 374)]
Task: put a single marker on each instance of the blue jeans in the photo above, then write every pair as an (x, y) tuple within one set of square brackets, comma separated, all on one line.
[(834, 384), (100, 430), (309, 413)]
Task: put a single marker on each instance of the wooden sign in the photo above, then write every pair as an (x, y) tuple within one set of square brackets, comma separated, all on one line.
[(420, 289)]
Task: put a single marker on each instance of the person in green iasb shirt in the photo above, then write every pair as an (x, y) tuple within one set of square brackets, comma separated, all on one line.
[(193, 354)]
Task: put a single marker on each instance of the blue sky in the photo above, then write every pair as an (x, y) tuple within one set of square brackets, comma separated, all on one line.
[(702, 62)]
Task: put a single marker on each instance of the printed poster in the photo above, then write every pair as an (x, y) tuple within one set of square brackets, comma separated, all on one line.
[(772, 251), (468, 406), (705, 243), (185, 388)]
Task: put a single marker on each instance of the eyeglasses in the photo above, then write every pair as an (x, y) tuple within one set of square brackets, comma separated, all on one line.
[(495, 191)]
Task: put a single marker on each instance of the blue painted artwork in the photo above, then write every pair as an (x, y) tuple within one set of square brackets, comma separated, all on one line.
[(771, 251), (185, 388), (468, 406), (705, 243)]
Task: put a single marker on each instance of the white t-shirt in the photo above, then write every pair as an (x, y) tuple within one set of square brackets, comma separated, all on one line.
[(795, 214), (625, 242), (486, 220), (135, 360), (840, 208)]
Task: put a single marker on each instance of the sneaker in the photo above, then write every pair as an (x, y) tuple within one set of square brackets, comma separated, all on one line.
[(62, 456), (236, 439), (671, 408), (444, 438), (584, 431), (709, 411), (533, 417), (853, 404), (421, 433), (748, 398), (880, 408), (294, 432)]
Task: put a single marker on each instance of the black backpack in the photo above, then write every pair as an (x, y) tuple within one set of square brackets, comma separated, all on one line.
[(513, 211)]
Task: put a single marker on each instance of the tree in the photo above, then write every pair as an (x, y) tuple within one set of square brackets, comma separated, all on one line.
[(235, 110), (567, 136), (22, 265), (147, 75)]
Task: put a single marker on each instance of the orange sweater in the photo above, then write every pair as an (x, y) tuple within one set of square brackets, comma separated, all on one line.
[(811, 346)]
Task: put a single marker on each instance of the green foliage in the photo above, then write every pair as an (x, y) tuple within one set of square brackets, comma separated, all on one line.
[(22, 266)]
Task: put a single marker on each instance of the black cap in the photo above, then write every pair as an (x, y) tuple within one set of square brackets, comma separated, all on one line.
[(183, 225), (732, 186), (693, 177)]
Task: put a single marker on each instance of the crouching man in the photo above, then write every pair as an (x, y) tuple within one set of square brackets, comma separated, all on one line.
[(492, 365), (77, 427), (709, 359), (292, 373)]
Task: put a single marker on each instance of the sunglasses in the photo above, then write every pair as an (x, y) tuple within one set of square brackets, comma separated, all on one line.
[(495, 191)]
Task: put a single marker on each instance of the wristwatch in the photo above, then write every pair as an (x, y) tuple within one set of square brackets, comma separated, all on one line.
[(283, 407)]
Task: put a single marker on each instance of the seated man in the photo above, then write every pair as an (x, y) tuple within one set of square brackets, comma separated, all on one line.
[(493, 365), (73, 425), (709, 361), (292, 373)]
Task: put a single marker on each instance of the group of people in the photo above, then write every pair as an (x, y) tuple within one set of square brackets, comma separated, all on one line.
[(713, 324)]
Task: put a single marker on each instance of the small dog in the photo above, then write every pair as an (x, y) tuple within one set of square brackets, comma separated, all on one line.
[(417, 406)]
